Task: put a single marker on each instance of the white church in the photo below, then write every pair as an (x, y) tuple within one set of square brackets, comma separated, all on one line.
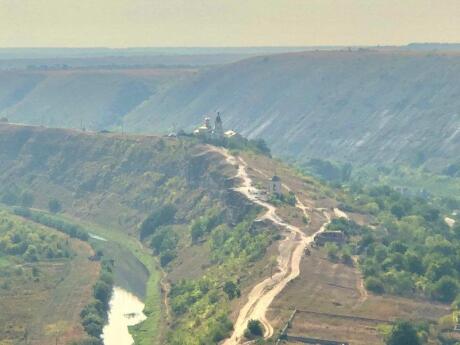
[(209, 131)]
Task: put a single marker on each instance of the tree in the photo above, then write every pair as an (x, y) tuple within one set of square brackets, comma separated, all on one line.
[(232, 290), (102, 292), (398, 211), (398, 247), (197, 230), (31, 253), (27, 199), (332, 251), (403, 333), (255, 329), (162, 216), (54, 205), (413, 263), (375, 285), (10, 198), (445, 289), (166, 258), (431, 214), (347, 259)]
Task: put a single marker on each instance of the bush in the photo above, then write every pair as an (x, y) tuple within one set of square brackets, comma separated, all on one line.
[(254, 330), (54, 206), (93, 324), (166, 258), (232, 290), (163, 216), (332, 251), (205, 224), (445, 290), (375, 285), (102, 292), (403, 333), (347, 259)]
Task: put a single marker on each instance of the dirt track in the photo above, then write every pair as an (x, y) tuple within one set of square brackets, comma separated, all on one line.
[(291, 250)]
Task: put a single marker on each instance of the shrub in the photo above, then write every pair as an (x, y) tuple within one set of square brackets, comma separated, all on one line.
[(403, 333), (445, 290), (232, 290), (347, 259), (375, 285), (54, 206), (163, 216), (254, 330), (166, 258), (332, 251), (102, 292)]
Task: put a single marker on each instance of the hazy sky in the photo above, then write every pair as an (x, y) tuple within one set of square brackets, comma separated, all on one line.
[(123, 23)]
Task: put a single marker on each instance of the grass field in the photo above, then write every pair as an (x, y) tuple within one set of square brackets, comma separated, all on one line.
[(41, 302)]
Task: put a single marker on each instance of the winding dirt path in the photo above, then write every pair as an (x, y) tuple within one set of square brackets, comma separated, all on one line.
[(291, 251)]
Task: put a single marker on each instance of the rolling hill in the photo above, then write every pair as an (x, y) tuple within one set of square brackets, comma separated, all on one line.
[(364, 106), (359, 106), (95, 99)]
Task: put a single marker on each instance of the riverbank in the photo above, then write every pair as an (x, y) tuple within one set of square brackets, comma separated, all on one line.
[(148, 331), (139, 275)]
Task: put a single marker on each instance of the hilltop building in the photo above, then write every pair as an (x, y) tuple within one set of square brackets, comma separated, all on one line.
[(216, 132), (274, 185)]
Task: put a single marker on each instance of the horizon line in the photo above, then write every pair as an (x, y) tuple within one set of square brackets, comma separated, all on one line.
[(233, 46)]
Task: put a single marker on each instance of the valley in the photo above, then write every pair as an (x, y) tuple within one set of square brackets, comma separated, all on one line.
[(228, 251), (362, 106), (230, 172)]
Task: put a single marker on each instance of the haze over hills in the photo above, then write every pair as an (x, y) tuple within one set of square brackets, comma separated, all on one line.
[(17, 58), (360, 105)]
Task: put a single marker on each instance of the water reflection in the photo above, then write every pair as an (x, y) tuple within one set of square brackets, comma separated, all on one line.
[(125, 310)]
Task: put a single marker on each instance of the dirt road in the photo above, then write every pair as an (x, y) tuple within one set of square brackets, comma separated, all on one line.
[(291, 250)]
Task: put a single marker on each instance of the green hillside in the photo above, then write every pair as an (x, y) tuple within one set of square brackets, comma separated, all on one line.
[(39, 269), (148, 195)]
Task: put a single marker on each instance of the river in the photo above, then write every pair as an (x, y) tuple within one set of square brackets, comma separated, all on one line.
[(125, 310)]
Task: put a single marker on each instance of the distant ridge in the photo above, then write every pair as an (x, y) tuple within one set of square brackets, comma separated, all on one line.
[(381, 105), (434, 46)]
